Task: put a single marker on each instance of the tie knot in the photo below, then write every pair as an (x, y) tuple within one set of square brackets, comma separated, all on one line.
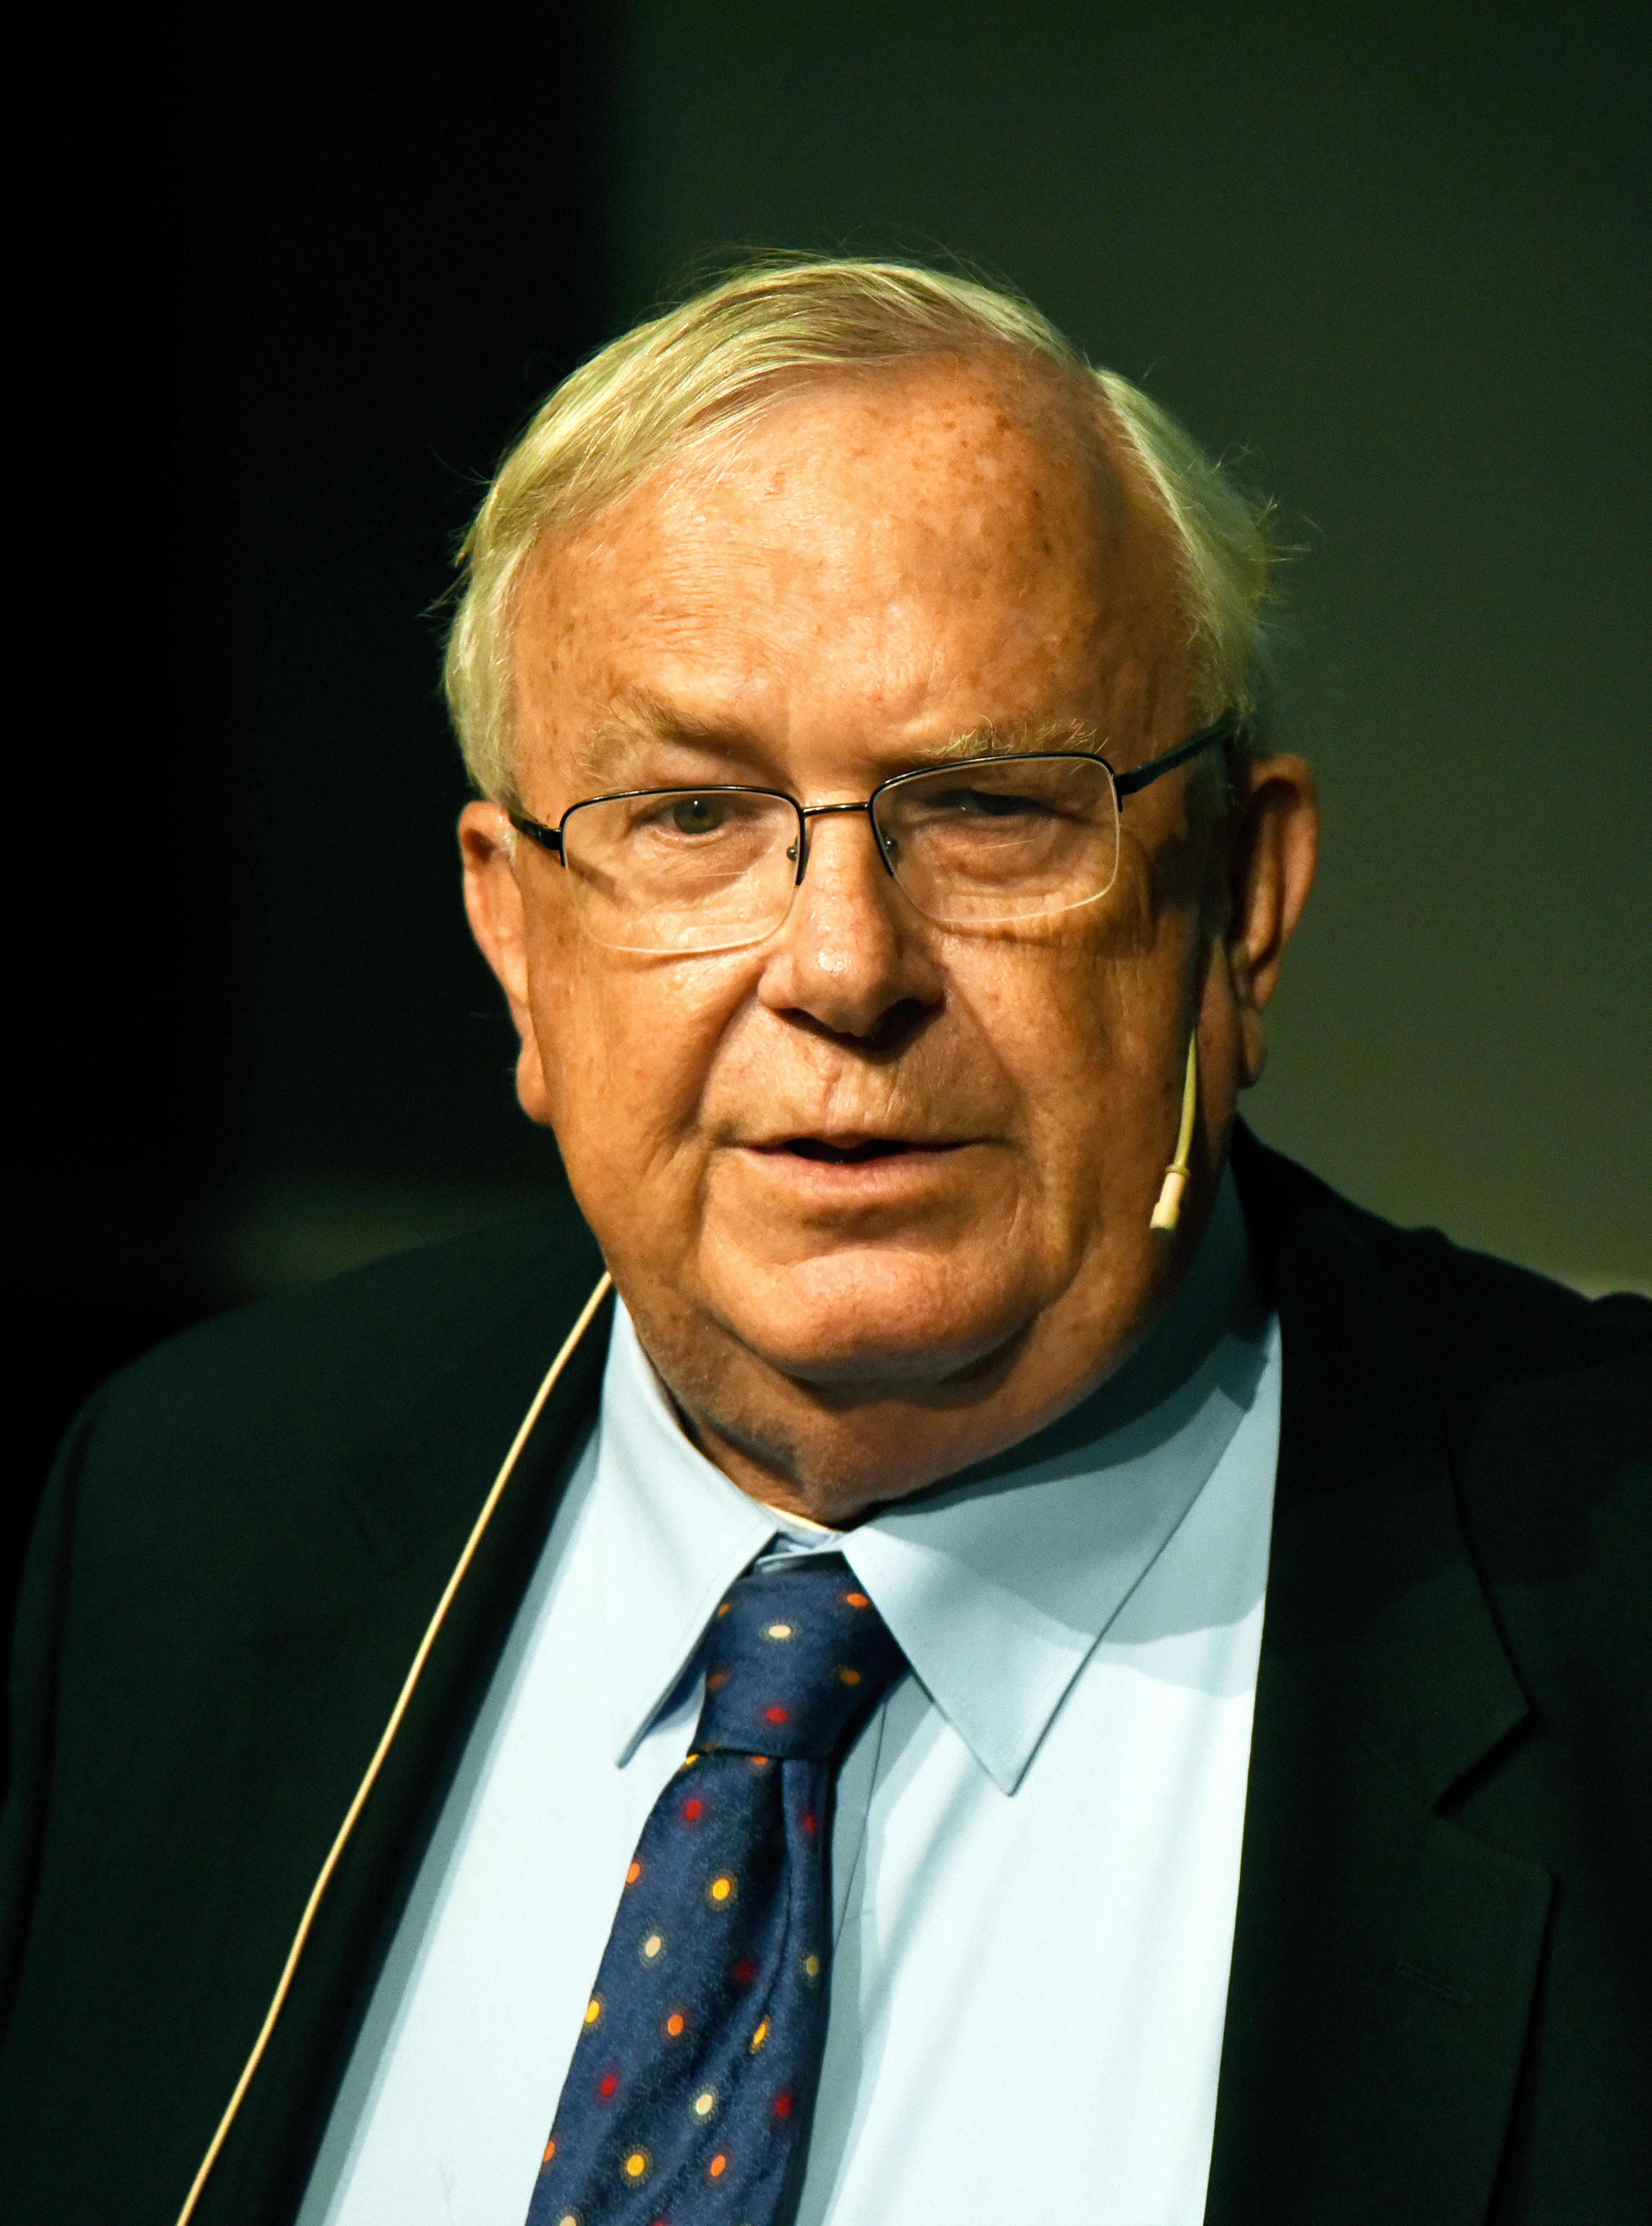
[(794, 1658)]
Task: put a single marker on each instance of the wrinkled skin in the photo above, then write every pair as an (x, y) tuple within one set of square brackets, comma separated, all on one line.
[(884, 561)]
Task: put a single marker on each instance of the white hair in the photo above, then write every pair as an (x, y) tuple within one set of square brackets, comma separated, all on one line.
[(654, 394)]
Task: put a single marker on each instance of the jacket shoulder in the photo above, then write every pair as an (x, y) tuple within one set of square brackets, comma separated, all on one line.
[(1479, 1324), (1543, 1401), (363, 1345), (1497, 1340), (231, 1455)]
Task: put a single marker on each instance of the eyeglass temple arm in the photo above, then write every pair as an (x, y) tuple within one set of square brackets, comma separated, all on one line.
[(536, 832), (1225, 731)]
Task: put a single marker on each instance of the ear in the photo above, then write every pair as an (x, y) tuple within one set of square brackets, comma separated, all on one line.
[(1273, 847), (499, 921)]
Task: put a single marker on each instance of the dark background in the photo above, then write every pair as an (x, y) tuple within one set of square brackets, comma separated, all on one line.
[(301, 282)]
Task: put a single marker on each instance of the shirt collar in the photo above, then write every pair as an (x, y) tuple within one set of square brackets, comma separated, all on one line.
[(999, 1583), (675, 1534)]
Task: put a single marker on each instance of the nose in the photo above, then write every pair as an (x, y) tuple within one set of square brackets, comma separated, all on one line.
[(853, 957)]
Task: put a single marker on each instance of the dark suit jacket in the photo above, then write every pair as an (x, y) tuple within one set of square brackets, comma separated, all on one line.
[(1439, 2002)]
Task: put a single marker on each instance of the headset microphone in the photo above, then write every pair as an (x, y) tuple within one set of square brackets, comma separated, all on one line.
[(1168, 1212)]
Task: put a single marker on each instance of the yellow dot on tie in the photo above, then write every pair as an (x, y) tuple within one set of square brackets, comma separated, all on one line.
[(635, 2165), (760, 2036), (593, 2010), (778, 1631), (811, 1966), (689, 1761), (652, 1945), (705, 2103), (850, 1677), (720, 1887), (568, 2218)]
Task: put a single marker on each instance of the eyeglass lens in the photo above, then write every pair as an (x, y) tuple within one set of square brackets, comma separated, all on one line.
[(977, 844)]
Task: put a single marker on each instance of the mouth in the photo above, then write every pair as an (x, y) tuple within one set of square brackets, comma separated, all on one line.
[(854, 1151)]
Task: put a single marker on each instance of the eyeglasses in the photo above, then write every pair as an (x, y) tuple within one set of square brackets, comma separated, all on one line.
[(984, 842)]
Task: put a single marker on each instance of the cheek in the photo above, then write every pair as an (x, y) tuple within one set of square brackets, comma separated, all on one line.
[(1055, 1024), (1085, 1038), (627, 1047)]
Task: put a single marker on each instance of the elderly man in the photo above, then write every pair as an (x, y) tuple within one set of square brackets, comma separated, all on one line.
[(1028, 1663)]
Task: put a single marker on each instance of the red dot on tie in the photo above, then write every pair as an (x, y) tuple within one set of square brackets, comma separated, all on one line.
[(745, 1971), (808, 1822), (693, 1811), (783, 2106), (606, 2084), (777, 1714)]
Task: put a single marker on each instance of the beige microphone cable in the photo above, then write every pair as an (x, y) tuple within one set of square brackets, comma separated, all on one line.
[(284, 1985), (1168, 1212)]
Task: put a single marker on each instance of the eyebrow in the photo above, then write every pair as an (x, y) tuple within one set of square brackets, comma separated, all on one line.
[(1020, 738), (644, 719)]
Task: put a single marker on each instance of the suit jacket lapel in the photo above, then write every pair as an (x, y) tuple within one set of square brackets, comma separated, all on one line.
[(1384, 1960), (414, 1493)]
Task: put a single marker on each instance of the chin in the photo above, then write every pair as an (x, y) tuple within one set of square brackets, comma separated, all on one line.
[(876, 1319)]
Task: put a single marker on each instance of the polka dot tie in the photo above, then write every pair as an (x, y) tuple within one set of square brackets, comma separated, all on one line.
[(691, 2088)]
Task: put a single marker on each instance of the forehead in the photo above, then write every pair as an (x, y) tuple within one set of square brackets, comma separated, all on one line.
[(898, 555)]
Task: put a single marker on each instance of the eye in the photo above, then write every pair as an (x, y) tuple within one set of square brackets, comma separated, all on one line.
[(983, 803), (698, 814)]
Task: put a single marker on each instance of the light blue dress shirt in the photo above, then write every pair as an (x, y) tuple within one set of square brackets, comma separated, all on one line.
[(1036, 1842)]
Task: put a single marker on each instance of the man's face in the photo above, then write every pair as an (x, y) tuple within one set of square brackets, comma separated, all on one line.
[(876, 1193)]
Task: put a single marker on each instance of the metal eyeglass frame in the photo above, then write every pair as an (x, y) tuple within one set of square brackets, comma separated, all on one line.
[(1226, 730)]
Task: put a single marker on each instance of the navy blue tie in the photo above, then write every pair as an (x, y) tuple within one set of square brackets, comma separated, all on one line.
[(692, 2086)]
